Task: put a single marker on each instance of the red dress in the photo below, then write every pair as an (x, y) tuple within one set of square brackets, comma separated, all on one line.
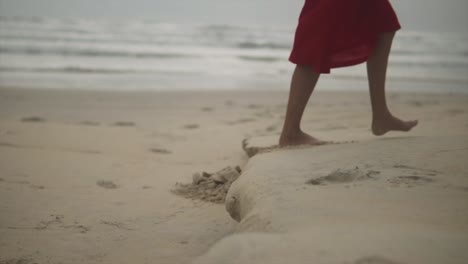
[(339, 33)]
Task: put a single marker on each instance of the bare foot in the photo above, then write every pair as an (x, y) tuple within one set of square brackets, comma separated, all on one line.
[(391, 123), (300, 139)]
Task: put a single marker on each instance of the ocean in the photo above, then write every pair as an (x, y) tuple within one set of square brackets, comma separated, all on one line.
[(110, 54)]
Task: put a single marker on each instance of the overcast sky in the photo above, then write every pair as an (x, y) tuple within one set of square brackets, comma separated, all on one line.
[(427, 15)]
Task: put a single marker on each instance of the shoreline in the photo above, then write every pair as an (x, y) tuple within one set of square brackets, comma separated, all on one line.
[(189, 83)]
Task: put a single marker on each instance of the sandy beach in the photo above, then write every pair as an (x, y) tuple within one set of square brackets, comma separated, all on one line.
[(86, 177)]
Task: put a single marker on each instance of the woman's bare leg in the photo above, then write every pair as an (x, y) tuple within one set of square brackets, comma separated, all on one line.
[(303, 83), (382, 120)]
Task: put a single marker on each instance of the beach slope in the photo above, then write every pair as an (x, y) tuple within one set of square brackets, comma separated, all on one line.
[(383, 200)]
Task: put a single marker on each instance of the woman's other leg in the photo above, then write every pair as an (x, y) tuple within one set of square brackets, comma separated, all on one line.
[(382, 120)]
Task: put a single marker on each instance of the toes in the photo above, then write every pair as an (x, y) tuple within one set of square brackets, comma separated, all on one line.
[(411, 124)]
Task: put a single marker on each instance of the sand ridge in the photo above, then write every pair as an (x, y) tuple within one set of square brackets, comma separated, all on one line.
[(380, 192)]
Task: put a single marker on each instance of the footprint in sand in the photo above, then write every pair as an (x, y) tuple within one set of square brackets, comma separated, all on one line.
[(20, 182), (462, 188), (229, 103), (124, 123), (5, 144), (116, 224), (89, 123), (56, 221), (333, 127), (160, 151), (191, 126), (264, 114), (22, 260), (207, 109), (271, 128), (107, 184), (417, 171), (455, 112), (410, 181), (168, 136), (374, 260), (87, 151), (416, 103), (33, 186), (254, 106), (412, 176), (37, 187), (33, 119), (241, 121), (344, 176)]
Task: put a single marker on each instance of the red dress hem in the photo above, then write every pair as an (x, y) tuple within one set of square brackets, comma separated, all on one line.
[(336, 33)]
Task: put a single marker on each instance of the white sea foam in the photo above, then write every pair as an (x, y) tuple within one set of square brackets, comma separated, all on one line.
[(129, 54)]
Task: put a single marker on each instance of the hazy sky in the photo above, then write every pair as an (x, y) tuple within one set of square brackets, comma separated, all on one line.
[(428, 15)]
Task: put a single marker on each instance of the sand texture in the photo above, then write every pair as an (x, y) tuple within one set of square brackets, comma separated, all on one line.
[(404, 200), (89, 177)]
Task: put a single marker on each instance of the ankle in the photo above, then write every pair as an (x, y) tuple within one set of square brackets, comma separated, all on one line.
[(381, 115), (291, 133)]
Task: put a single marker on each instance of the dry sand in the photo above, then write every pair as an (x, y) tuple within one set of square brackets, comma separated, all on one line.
[(86, 177), (401, 200)]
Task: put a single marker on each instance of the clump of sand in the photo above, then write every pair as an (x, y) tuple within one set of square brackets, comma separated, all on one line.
[(211, 187)]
